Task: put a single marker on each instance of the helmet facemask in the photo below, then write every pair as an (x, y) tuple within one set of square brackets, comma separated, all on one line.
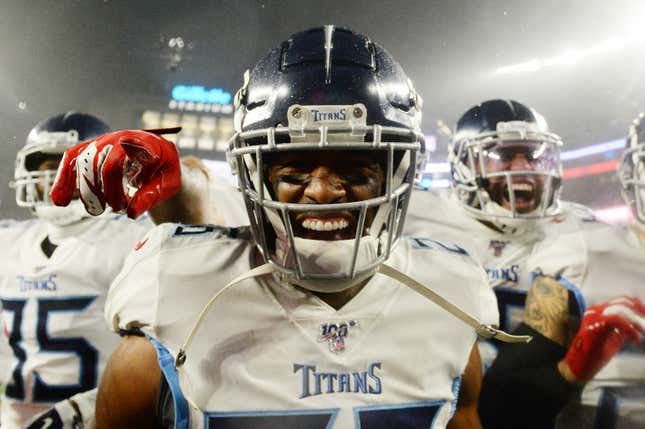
[(32, 183), (631, 173), (326, 256), (514, 172)]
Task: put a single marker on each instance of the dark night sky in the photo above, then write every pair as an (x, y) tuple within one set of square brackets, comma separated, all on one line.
[(81, 55)]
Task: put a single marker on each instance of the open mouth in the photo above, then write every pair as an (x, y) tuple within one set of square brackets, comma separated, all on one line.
[(525, 196), (318, 226)]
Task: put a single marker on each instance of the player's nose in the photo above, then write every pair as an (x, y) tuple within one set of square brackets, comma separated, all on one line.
[(520, 162), (325, 187)]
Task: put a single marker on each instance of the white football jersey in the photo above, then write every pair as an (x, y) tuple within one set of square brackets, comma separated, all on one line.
[(270, 355), (616, 396), (511, 259), (53, 308)]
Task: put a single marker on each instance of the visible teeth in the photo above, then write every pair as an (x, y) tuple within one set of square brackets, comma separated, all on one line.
[(522, 187), (319, 225)]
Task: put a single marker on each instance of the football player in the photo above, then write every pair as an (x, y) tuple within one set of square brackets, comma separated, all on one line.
[(505, 209), (615, 397), (566, 352), (506, 177), (54, 274), (307, 319)]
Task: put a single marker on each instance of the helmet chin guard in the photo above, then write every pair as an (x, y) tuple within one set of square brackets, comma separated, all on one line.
[(61, 216)]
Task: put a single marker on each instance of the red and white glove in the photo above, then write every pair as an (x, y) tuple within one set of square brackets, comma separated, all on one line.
[(603, 331), (126, 170)]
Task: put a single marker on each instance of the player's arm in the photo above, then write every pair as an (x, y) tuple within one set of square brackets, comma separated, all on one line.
[(192, 204), (528, 384), (523, 387), (466, 416), (128, 391), (134, 171)]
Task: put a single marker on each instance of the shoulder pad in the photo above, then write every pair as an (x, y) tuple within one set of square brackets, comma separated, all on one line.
[(579, 211), (181, 230), (172, 235), (426, 243)]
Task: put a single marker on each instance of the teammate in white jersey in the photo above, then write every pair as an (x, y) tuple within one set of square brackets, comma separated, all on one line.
[(327, 332), (506, 184), (54, 274), (615, 398), (506, 175)]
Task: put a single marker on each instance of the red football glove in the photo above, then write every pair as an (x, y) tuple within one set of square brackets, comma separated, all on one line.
[(127, 170), (603, 331)]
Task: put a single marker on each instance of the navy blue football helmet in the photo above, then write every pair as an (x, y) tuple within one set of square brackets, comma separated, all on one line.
[(631, 170), (48, 140), (505, 163), (326, 88)]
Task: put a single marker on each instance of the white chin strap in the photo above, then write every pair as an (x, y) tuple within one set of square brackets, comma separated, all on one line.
[(320, 257), (61, 216), (481, 329), (502, 218)]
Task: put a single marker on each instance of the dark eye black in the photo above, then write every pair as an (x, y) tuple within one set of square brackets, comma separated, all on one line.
[(356, 179), (507, 156), (292, 179)]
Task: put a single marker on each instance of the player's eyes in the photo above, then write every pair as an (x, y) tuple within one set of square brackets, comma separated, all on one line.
[(356, 179), (293, 179)]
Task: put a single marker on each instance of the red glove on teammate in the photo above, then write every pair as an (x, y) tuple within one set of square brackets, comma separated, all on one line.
[(603, 331), (106, 169)]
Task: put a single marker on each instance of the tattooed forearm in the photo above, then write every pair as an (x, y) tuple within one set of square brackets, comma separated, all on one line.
[(547, 309)]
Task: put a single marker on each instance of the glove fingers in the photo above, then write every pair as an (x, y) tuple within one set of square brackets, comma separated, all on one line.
[(64, 186), (163, 185), (147, 196), (631, 302), (112, 160), (90, 182), (140, 151), (626, 313), (625, 328)]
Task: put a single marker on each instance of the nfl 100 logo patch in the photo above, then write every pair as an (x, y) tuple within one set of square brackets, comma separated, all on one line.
[(497, 246), (336, 333)]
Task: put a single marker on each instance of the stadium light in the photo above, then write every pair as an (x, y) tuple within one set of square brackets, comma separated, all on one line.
[(569, 57)]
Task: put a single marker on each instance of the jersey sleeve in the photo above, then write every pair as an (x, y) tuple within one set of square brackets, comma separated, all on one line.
[(451, 271), (564, 252), (132, 298), (171, 274)]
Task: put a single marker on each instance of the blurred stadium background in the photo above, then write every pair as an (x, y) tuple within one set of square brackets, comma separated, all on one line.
[(147, 64)]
